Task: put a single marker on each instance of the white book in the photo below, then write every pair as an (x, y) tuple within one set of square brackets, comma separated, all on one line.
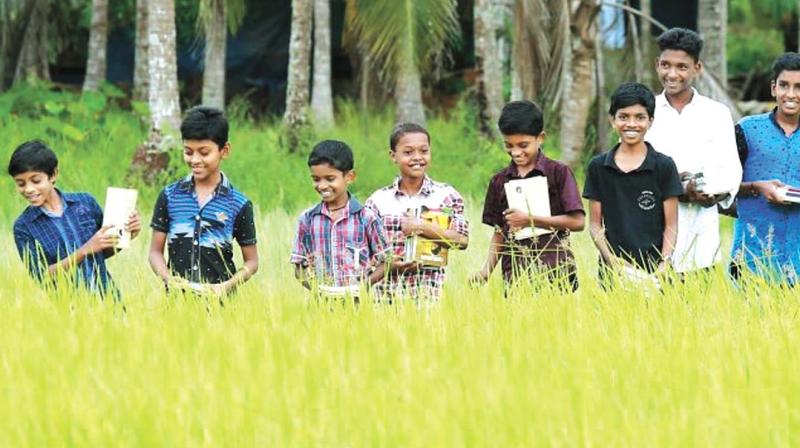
[(710, 181), (120, 203), (640, 278), (339, 291), (530, 195)]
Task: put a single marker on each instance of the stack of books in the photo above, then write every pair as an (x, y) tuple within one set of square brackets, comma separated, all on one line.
[(789, 194), (425, 251)]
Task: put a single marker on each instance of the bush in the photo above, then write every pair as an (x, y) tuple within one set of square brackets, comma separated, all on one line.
[(752, 49)]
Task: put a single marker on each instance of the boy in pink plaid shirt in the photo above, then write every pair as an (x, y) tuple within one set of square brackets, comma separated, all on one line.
[(409, 149), (339, 244)]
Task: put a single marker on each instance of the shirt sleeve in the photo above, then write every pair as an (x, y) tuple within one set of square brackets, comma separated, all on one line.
[(459, 223), (727, 156), (30, 252), (570, 198), (301, 249), (492, 216), (668, 179), (376, 238), (160, 221), (97, 211), (741, 145), (244, 229), (591, 187)]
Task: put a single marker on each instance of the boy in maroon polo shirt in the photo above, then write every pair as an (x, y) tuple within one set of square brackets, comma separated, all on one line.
[(522, 126)]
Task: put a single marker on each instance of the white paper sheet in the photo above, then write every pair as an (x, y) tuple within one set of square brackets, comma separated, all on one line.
[(120, 203)]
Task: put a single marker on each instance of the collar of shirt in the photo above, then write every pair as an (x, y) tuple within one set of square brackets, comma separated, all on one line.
[(649, 163), (774, 119), (66, 199), (539, 167), (425, 190), (661, 100), (352, 207), (223, 187)]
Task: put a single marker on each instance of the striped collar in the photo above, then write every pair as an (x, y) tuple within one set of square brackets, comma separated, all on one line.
[(223, 187)]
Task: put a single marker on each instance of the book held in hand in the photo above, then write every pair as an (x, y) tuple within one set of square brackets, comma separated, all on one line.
[(530, 195), (789, 194), (120, 203), (425, 251)]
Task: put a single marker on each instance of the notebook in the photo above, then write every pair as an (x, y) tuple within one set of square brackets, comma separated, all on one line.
[(120, 203), (530, 195)]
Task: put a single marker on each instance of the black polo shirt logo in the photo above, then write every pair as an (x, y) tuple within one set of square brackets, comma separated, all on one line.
[(646, 200)]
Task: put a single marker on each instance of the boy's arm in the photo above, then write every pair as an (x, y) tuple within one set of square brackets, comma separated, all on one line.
[(248, 269), (670, 236), (492, 257), (598, 233), (156, 257), (301, 274), (573, 221), (27, 248)]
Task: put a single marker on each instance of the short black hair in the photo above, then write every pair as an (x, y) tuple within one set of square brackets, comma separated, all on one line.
[(33, 155), (681, 39), (333, 152), (785, 62), (401, 129), (632, 93), (205, 123), (521, 117)]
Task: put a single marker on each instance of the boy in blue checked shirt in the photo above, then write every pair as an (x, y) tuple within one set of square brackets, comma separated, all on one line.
[(202, 214), (60, 231), (339, 240)]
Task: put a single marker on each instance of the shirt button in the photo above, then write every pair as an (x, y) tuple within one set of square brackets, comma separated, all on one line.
[(196, 243), (197, 218)]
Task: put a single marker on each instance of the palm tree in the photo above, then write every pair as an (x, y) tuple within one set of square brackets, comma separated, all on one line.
[(296, 115), (712, 19), (5, 24), (32, 62), (98, 38), (322, 93), (403, 37), (140, 70), (215, 19), (487, 62), (162, 67), (579, 76)]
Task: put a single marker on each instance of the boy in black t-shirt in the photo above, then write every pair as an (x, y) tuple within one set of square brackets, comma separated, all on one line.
[(633, 190)]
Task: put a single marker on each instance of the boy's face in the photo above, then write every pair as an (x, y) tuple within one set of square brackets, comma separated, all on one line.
[(412, 155), (203, 157), (786, 91), (523, 148), (631, 123), (35, 186), (677, 71), (331, 184)]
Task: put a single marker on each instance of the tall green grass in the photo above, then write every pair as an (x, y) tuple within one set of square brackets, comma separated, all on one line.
[(703, 364)]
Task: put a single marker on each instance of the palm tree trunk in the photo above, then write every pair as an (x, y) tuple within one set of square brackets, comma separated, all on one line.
[(214, 74), (712, 18), (162, 67), (140, 71), (322, 93), (408, 95), (522, 65), (297, 89), (579, 79), (33, 59), (646, 36), (98, 39), (487, 62), (5, 22)]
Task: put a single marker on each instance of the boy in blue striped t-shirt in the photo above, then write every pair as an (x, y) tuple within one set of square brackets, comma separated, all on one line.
[(200, 215)]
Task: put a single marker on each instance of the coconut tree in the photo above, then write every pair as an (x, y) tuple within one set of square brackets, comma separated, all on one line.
[(712, 19), (98, 39), (297, 90), (162, 67), (140, 70), (403, 38), (215, 19), (322, 92), (487, 63), (32, 62)]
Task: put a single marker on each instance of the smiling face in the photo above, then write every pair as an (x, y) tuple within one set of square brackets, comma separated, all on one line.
[(412, 155), (523, 148), (677, 71), (331, 184), (631, 123), (36, 186), (203, 158), (786, 91)]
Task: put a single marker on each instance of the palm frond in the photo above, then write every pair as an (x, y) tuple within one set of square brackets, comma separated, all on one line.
[(234, 14)]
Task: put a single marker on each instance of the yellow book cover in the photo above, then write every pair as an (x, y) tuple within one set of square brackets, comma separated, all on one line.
[(423, 250)]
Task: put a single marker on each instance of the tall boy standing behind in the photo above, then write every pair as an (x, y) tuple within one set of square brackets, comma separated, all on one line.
[(632, 190), (522, 126), (697, 133), (339, 241), (202, 214)]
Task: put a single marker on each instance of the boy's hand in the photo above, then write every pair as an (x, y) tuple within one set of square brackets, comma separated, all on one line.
[(411, 226), (100, 241), (769, 189), (398, 265), (516, 219), (134, 224)]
